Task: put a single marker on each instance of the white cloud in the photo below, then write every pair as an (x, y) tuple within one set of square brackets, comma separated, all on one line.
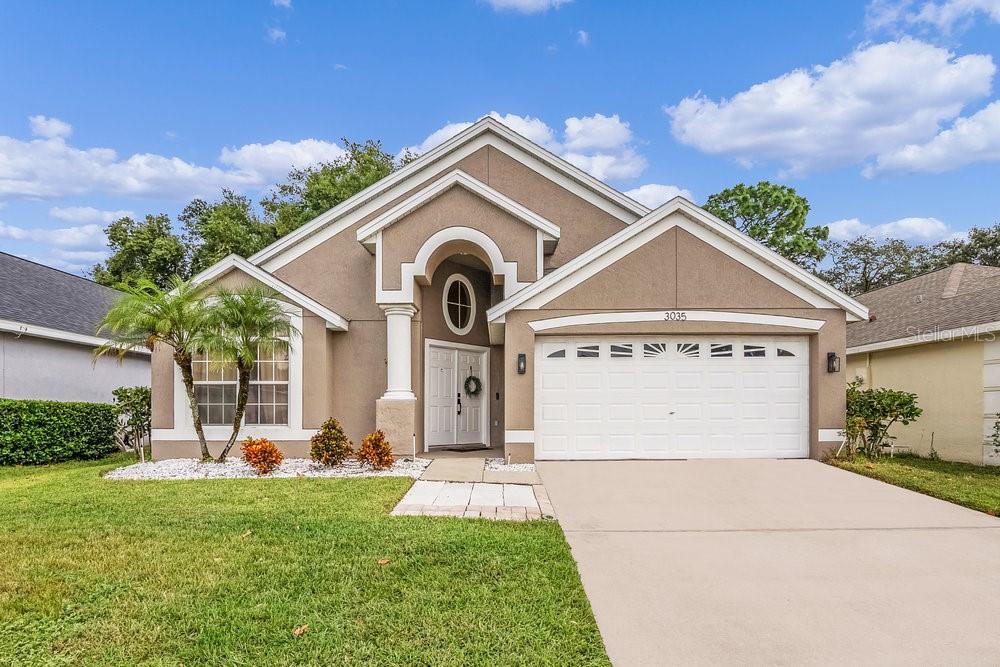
[(50, 167), (603, 166), (339, 66), (287, 4), (910, 229), (597, 131), (598, 144), (652, 195), (877, 99), (972, 139), (83, 236), (90, 257), (527, 6), (276, 35), (86, 214), (272, 161), (49, 128), (947, 16), (582, 37)]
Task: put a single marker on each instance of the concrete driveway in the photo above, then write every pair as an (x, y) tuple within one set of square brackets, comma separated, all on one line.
[(776, 562)]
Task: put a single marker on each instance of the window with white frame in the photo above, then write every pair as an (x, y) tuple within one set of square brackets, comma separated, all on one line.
[(459, 304), (216, 388)]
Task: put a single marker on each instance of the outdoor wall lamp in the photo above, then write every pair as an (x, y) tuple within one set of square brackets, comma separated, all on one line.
[(522, 363), (832, 362)]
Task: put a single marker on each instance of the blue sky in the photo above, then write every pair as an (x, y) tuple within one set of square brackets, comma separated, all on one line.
[(884, 115)]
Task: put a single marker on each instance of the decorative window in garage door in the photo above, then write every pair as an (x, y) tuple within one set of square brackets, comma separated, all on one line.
[(721, 350), (621, 350), (588, 351), (753, 350), (689, 350)]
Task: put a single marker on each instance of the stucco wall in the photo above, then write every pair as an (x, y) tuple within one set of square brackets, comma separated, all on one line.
[(947, 378), (458, 208), (40, 368)]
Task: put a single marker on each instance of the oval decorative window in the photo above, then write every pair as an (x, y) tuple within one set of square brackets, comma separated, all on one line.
[(459, 304)]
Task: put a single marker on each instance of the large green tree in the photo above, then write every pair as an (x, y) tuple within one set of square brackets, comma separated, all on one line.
[(233, 224), (864, 264), (314, 190), (980, 246), (227, 226), (773, 214), (142, 249)]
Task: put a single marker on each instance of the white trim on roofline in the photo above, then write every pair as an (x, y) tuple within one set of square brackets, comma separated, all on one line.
[(458, 178), (618, 317), (36, 331), (706, 227), (334, 321), (928, 337), (485, 132)]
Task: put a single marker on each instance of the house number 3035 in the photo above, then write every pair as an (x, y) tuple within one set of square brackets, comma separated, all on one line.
[(675, 316)]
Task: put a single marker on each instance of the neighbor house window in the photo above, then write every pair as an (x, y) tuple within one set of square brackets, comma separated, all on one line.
[(459, 304), (216, 388)]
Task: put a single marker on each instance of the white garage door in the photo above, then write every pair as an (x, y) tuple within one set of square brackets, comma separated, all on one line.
[(671, 397)]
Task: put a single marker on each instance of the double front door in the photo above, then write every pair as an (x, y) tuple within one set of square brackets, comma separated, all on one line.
[(453, 416)]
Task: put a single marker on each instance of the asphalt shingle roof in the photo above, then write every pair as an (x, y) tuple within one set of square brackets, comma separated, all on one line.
[(35, 294), (962, 295)]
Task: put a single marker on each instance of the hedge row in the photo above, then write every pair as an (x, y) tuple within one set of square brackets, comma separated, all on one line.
[(38, 432)]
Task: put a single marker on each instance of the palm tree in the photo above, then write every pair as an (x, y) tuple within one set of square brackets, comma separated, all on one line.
[(147, 315), (243, 323)]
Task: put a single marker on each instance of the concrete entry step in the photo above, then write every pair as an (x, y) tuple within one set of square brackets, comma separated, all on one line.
[(473, 470)]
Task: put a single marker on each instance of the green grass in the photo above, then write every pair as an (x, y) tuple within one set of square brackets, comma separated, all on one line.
[(220, 572), (970, 485)]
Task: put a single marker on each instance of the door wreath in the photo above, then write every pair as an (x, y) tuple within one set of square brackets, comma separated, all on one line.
[(473, 386)]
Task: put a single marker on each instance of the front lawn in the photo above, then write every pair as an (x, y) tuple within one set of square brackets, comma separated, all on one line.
[(974, 486), (222, 572)]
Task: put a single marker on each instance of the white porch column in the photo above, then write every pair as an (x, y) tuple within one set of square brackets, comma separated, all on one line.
[(398, 324)]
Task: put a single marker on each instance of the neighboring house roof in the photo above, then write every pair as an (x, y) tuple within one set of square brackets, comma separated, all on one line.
[(38, 300), (758, 257), (334, 321), (957, 301), (485, 131)]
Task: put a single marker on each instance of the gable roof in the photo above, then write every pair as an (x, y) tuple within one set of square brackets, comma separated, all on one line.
[(457, 178), (485, 131), (934, 306), (333, 320), (755, 255), (41, 301)]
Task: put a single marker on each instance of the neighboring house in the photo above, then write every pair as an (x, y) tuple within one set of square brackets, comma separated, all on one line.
[(598, 329), (48, 324), (936, 336)]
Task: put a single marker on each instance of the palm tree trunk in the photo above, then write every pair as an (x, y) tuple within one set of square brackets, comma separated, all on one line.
[(183, 362), (243, 377)]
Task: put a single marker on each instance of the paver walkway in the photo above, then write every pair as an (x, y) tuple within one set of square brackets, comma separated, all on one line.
[(474, 500)]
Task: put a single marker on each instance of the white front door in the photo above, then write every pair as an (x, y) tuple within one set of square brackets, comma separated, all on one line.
[(453, 417), (672, 397)]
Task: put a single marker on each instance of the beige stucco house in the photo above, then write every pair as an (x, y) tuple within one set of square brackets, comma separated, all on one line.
[(936, 335), (593, 327)]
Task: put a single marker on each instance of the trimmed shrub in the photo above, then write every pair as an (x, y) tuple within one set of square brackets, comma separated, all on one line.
[(376, 451), (872, 412), (39, 432), (330, 446), (262, 455)]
